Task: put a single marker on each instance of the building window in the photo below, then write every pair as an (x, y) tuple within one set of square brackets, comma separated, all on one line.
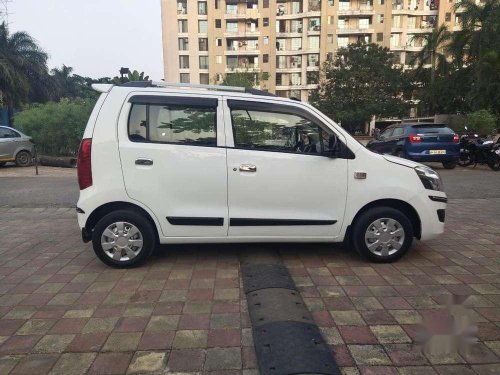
[(183, 26), (232, 62), (183, 44), (266, 40), (394, 40), (218, 24), (314, 24), (232, 9), (184, 77), (344, 5), (182, 7), (364, 23), (331, 3), (381, 2), (202, 44), (265, 22), (312, 78), (265, 4), (232, 27), (380, 37), (203, 62), (396, 21), (342, 41), (218, 59), (380, 18), (314, 5), (202, 27), (184, 62), (216, 4), (448, 17), (330, 38), (313, 42), (265, 58), (313, 60), (202, 8), (296, 44), (295, 79), (218, 42), (280, 44), (204, 78), (330, 20)]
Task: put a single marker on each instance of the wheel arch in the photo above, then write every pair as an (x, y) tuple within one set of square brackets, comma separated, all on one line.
[(105, 209), (397, 204)]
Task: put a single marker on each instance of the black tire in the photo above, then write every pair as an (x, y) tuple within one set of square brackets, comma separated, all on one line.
[(2, 163), (494, 163), (362, 224), (465, 159), (146, 230), (23, 159), (449, 164)]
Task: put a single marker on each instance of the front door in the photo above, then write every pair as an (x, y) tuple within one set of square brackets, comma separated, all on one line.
[(282, 180), (174, 161)]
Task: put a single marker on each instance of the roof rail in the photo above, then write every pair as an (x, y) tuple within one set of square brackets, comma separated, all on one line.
[(196, 86)]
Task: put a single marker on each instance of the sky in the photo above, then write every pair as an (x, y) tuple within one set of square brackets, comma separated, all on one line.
[(95, 37)]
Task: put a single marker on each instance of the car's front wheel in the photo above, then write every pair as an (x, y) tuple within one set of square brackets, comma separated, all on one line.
[(123, 238), (382, 234), (23, 159)]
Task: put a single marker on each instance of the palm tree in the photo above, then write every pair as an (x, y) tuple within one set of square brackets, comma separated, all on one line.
[(23, 64), (434, 51), (64, 81)]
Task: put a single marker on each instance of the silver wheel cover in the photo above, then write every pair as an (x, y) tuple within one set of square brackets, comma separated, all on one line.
[(122, 241), (384, 237)]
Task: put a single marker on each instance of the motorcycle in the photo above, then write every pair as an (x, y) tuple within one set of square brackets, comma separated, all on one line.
[(476, 150)]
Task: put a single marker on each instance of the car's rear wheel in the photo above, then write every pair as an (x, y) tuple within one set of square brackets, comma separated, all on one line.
[(123, 238), (382, 234), (2, 163), (449, 164), (23, 159)]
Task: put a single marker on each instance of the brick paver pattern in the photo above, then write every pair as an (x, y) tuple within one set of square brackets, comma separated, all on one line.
[(63, 312)]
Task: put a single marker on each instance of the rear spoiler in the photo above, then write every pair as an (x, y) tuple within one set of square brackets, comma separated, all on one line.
[(102, 87)]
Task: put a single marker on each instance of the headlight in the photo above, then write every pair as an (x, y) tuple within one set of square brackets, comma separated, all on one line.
[(429, 178)]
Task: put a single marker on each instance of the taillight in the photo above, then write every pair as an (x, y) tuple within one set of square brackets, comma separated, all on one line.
[(83, 163), (456, 138), (415, 138)]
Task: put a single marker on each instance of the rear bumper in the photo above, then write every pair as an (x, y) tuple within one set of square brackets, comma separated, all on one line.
[(432, 158)]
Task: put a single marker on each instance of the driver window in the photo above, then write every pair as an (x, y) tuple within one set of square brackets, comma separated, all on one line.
[(283, 132)]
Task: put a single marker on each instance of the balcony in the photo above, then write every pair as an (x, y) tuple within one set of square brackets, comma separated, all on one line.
[(357, 11), (348, 30), (242, 15), (250, 68), (287, 33), (238, 51), (242, 34)]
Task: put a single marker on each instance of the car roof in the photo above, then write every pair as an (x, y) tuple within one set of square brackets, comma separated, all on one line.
[(194, 89)]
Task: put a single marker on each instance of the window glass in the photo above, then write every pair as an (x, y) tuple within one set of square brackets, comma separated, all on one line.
[(202, 8), (397, 132), (284, 132), (184, 78), (204, 78), (433, 129), (137, 123), (180, 124), (183, 26), (184, 62), (7, 133), (183, 44), (203, 62), (387, 133), (203, 44), (202, 26)]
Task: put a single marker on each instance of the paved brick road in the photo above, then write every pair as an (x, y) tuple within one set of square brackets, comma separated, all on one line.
[(63, 312)]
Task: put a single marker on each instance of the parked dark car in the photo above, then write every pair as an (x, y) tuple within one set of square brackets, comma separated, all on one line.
[(422, 142)]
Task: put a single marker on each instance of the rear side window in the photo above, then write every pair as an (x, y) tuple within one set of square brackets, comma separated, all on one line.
[(7, 133), (398, 132), (433, 129), (174, 122)]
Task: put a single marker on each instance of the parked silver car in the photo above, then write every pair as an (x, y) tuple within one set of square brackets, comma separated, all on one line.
[(15, 146)]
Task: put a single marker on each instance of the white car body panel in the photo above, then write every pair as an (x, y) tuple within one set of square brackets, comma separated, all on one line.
[(201, 181)]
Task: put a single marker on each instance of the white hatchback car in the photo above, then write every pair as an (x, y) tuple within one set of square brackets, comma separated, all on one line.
[(189, 164)]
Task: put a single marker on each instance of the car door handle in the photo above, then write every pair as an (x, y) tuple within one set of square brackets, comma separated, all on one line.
[(142, 161), (248, 168)]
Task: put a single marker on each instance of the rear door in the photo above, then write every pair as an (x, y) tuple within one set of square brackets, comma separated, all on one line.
[(278, 186), (174, 161)]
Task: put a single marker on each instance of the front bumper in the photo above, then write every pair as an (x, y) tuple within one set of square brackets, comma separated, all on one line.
[(431, 212)]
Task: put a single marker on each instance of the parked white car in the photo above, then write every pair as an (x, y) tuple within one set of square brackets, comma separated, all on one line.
[(206, 164)]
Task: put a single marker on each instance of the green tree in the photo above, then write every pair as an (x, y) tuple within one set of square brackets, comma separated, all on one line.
[(476, 49), (481, 121), (244, 79), (433, 52), (131, 76), (56, 127), (23, 67), (362, 82)]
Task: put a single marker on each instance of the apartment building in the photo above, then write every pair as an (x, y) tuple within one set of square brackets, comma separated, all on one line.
[(286, 41)]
